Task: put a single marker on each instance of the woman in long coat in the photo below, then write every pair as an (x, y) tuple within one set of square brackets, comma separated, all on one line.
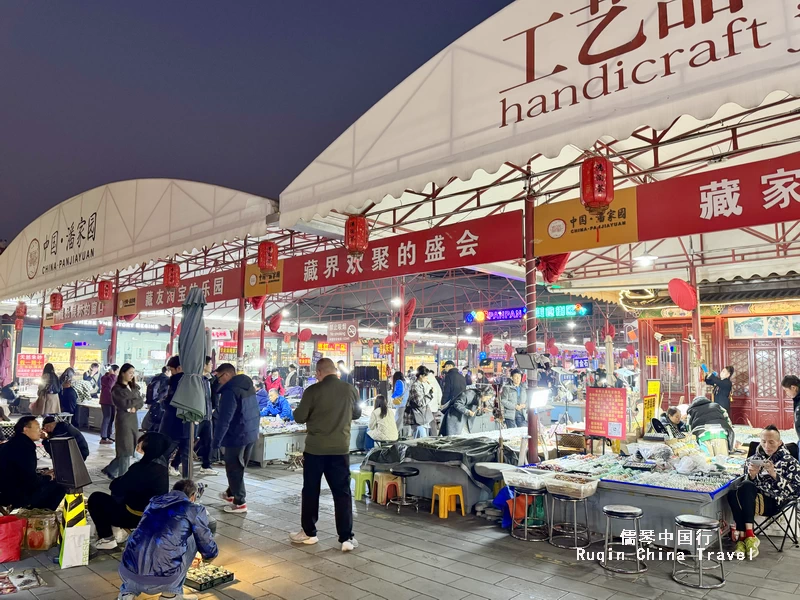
[(418, 414), (48, 401), (127, 398)]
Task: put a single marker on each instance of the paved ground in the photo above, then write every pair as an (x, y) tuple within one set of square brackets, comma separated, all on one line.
[(405, 557)]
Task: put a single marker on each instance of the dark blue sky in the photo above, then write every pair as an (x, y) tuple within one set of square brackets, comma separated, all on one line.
[(242, 94)]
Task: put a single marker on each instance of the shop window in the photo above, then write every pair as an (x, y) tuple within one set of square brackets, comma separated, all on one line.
[(739, 359), (791, 361), (766, 375), (671, 369)]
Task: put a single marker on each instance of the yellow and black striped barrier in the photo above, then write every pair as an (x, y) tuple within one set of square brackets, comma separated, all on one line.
[(74, 510)]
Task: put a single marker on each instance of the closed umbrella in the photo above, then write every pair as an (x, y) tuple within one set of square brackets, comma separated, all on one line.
[(5, 362), (72, 357), (190, 396)]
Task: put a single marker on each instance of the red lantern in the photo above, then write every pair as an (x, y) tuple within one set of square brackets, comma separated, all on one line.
[(609, 331), (550, 342), (597, 184), (275, 323), (105, 290), (21, 311), (19, 324), (436, 347), (56, 301), (267, 256), (552, 267), (509, 351), (356, 235), (554, 351), (462, 345), (101, 329), (387, 339), (625, 355), (683, 294), (591, 347), (257, 302), (304, 335), (129, 318), (631, 349), (287, 337), (172, 276), (408, 311), (57, 327)]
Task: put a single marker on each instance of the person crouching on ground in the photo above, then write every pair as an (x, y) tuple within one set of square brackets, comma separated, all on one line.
[(772, 478), (236, 431), (161, 549), (131, 493)]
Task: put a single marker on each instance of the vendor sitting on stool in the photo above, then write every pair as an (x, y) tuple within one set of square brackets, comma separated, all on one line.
[(54, 429), (772, 478), (278, 406)]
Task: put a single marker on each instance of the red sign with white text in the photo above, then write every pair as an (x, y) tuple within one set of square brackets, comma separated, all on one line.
[(475, 242), (748, 195), (30, 365), (606, 412), (80, 310), (217, 286)]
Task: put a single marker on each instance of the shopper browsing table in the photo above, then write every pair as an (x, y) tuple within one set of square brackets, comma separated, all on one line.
[(327, 408), (772, 478), (59, 429), (791, 387)]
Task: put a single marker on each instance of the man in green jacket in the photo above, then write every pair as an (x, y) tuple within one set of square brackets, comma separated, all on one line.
[(327, 408)]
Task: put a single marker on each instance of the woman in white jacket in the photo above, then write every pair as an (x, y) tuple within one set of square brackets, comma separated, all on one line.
[(382, 425)]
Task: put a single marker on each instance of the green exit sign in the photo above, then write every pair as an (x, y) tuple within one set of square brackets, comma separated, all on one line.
[(564, 311)]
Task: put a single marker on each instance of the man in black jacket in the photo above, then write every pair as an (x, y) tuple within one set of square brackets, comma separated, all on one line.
[(704, 414), (236, 432), (722, 387), (55, 429), (454, 384), (20, 485), (131, 493), (173, 427)]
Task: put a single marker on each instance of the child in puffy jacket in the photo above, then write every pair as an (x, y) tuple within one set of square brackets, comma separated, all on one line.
[(161, 549)]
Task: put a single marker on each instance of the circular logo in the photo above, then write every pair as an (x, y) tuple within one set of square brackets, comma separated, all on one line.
[(253, 280), (351, 331), (32, 261), (557, 228)]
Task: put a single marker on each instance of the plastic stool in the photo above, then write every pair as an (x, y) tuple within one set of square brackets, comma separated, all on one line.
[(381, 485), (447, 495), (624, 513), (697, 524), (362, 479)]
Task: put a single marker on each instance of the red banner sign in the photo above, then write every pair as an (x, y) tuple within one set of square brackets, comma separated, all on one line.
[(219, 286), (759, 193), (606, 410), (81, 310), (480, 241), (343, 332), (30, 365)]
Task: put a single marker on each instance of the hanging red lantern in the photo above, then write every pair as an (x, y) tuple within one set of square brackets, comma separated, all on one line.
[(356, 234), (387, 339), (609, 331), (57, 327), (267, 256), (683, 294), (625, 355), (597, 184), (462, 345), (554, 351), (105, 290), (509, 351), (19, 324), (631, 349), (436, 347), (408, 311), (129, 318), (257, 301), (56, 301), (488, 338), (552, 266), (275, 322), (304, 335), (101, 329), (591, 347), (21, 311), (287, 337), (178, 329), (172, 275), (550, 342)]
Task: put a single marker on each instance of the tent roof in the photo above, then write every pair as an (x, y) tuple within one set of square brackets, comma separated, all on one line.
[(470, 109), (123, 224)]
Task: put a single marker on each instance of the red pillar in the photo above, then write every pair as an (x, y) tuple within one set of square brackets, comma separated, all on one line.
[(401, 330), (530, 302), (41, 323), (242, 309), (261, 331), (695, 357), (112, 348)]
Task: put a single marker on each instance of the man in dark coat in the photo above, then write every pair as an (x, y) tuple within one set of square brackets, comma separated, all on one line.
[(454, 384), (20, 485), (131, 493), (703, 413), (173, 427), (722, 387), (55, 429), (236, 431)]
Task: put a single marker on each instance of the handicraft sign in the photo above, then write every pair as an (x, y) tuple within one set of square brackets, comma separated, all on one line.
[(606, 412)]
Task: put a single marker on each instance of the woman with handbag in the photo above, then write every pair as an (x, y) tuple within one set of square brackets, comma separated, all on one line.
[(127, 398), (47, 400)]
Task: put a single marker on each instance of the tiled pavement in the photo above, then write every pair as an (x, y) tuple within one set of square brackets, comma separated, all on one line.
[(401, 557)]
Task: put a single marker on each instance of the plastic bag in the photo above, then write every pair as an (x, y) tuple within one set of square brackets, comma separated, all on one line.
[(12, 532), (691, 464), (41, 532), (26, 579)]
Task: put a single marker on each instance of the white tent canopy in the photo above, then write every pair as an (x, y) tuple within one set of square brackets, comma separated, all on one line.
[(128, 223), (539, 77)]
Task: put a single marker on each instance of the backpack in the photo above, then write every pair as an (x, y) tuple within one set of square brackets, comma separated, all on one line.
[(152, 390)]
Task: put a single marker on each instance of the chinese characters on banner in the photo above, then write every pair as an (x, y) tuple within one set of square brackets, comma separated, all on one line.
[(216, 286), (748, 195), (343, 332), (30, 365), (649, 409), (606, 410), (89, 308), (328, 348), (487, 240)]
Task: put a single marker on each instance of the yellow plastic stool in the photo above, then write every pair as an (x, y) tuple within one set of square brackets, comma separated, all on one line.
[(380, 487), (447, 499), (362, 478)]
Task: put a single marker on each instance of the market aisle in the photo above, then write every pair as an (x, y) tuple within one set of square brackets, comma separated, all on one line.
[(411, 556)]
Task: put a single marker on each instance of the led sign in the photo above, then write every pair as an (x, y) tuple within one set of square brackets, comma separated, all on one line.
[(501, 314), (564, 311)]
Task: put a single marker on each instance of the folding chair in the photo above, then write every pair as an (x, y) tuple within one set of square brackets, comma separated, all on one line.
[(787, 518)]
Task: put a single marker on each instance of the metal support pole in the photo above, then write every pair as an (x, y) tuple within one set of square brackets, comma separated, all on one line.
[(261, 353), (401, 330), (696, 352), (530, 330), (112, 347), (41, 324)]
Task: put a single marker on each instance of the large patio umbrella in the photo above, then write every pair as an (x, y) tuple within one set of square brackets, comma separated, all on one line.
[(190, 397), (5, 362), (72, 355)]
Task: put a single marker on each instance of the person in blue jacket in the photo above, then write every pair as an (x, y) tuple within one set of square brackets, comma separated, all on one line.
[(262, 395), (161, 549), (278, 406)]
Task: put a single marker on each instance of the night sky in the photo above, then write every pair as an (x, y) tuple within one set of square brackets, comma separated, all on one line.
[(239, 94)]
